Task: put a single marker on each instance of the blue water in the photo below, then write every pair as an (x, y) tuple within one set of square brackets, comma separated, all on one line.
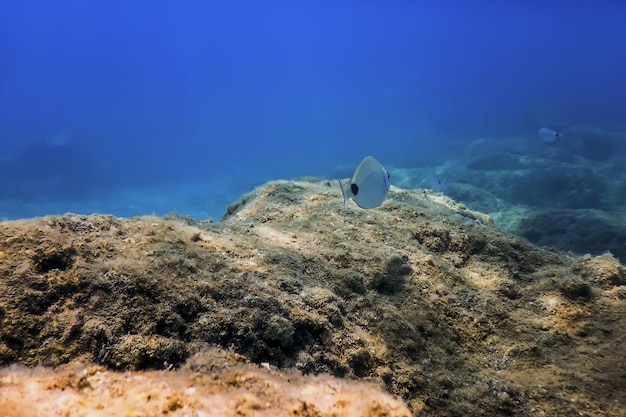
[(139, 107)]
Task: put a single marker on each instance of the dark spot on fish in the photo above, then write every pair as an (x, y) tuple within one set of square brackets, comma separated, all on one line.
[(388, 175), (354, 188)]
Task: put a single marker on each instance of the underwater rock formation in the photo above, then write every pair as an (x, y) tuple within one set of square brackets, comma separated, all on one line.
[(553, 195), (242, 391), (421, 296)]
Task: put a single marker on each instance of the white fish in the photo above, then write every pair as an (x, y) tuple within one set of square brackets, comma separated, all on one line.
[(369, 185), (548, 135)]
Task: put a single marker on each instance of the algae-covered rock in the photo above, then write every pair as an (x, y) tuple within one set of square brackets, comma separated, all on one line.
[(421, 295)]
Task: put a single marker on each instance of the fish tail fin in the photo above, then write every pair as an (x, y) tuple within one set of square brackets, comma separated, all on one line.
[(346, 195)]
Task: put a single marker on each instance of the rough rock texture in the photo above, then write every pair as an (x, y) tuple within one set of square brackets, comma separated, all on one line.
[(240, 391), (421, 295), (567, 195)]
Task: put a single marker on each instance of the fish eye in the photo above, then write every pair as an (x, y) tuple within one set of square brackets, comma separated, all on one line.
[(354, 188), (388, 175)]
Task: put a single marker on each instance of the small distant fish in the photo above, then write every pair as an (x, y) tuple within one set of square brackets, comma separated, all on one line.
[(436, 183), (548, 135), (369, 185), (58, 140)]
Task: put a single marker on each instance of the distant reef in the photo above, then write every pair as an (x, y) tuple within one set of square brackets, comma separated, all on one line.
[(559, 195), (287, 307)]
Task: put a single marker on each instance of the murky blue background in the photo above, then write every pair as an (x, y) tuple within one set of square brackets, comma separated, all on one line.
[(135, 107)]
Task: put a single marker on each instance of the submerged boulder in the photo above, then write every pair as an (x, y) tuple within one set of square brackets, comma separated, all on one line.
[(421, 295)]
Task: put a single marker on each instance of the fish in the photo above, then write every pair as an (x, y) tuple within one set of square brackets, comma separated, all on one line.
[(548, 135), (437, 183), (58, 140), (369, 185)]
